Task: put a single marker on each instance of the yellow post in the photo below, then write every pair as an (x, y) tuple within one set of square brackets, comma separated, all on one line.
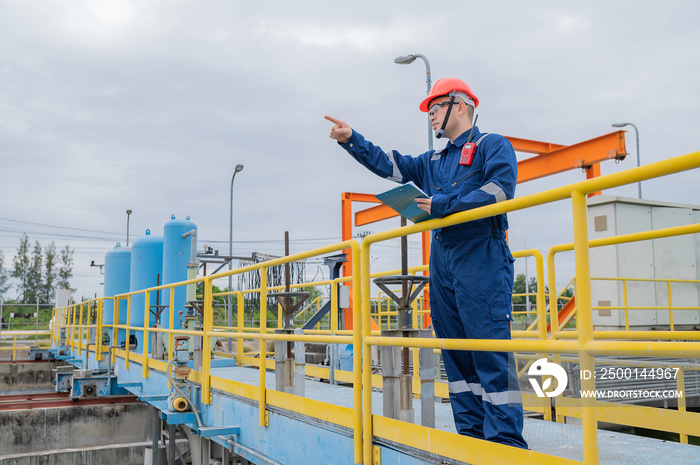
[(627, 316), (263, 350), (357, 331), (171, 350), (670, 305), (318, 307), (541, 308), (63, 318), (414, 352), (553, 323), (98, 332), (115, 324), (279, 315), (64, 322), (585, 325), (206, 346), (14, 347), (680, 385), (80, 330), (146, 333), (367, 434), (72, 328), (378, 315), (334, 307), (60, 322), (541, 305), (67, 314), (53, 330), (128, 331), (241, 324)]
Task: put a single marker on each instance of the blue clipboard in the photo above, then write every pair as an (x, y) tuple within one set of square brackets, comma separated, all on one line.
[(402, 200)]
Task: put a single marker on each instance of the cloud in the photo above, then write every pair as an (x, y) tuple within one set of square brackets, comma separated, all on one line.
[(106, 106), (339, 35)]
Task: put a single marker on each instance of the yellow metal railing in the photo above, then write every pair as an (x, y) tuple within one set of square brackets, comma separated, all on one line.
[(14, 346), (264, 336), (624, 239), (583, 343), (585, 346), (668, 284)]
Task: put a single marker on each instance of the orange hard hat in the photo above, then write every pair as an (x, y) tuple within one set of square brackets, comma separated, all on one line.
[(444, 87)]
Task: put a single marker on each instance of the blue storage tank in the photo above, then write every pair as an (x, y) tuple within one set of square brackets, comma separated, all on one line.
[(346, 357), (117, 278), (146, 271), (176, 257)]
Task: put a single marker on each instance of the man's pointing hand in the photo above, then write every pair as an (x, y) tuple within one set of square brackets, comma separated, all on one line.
[(340, 131)]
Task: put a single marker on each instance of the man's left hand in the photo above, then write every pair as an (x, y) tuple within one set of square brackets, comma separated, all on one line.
[(424, 204)]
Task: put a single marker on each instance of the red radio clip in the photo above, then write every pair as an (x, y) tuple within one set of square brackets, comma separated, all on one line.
[(467, 154)]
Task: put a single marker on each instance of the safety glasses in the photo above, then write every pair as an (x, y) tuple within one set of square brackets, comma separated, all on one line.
[(437, 106)]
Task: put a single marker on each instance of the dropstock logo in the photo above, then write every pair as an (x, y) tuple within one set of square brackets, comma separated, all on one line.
[(544, 367)]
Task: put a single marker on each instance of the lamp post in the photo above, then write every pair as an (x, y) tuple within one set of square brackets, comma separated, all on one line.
[(229, 314), (128, 215), (408, 59), (636, 132)]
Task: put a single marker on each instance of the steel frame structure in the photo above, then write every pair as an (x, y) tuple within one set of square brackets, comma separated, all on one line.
[(549, 159)]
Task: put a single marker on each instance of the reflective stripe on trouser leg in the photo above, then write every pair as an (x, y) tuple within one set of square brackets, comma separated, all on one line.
[(465, 394), (481, 409), (503, 419)]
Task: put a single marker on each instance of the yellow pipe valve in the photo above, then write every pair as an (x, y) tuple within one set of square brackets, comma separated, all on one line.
[(180, 404)]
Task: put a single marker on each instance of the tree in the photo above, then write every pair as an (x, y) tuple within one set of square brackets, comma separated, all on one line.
[(314, 291), (48, 288), (520, 288), (520, 300), (65, 272), (20, 267), (4, 284), (32, 292)]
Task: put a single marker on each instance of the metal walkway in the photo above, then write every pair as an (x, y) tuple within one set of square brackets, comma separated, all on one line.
[(562, 440), (292, 438)]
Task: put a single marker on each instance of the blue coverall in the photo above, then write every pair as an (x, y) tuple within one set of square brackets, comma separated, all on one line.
[(471, 273)]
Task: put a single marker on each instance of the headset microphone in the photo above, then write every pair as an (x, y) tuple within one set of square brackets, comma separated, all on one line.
[(441, 132)]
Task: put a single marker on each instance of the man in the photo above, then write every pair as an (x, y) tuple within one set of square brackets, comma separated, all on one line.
[(471, 267)]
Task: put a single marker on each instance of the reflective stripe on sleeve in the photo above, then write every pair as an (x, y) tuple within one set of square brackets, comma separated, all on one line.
[(495, 190), (396, 174)]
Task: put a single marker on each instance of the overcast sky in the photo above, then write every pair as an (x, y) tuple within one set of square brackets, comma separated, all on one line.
[(148, 105)]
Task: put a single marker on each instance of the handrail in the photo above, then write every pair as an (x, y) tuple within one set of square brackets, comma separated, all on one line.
[(585, 345), (584, 342)]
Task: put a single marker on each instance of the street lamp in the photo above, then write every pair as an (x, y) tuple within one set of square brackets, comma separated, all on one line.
[(230, 255), (128, 214), (636, 132), (408, 59)]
